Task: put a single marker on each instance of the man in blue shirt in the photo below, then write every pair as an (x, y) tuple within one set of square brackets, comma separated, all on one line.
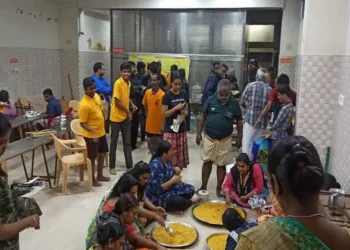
[(103, 88), (53, 108), (213, 79)]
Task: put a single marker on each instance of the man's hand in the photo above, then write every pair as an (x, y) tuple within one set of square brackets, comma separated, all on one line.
[(94, 133), (258, 122), (199, 139)]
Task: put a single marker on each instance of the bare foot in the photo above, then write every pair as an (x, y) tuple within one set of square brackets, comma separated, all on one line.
[(103, 178), (96, 184)]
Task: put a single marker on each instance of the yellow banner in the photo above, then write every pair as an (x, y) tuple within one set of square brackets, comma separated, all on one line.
[(183, 62)]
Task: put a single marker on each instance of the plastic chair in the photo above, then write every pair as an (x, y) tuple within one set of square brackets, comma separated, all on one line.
[(105, 108), (75, 106), (76, 128), (78, 158)]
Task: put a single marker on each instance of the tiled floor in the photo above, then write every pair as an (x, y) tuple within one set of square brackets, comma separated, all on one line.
[(66, 217)]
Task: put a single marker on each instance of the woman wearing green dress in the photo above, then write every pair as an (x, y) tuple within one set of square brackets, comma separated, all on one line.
[(10, 223), (296, 175)]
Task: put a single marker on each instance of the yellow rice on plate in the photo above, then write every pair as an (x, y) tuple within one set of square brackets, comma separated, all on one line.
[(183, 235), (217, 241), (211, 212)]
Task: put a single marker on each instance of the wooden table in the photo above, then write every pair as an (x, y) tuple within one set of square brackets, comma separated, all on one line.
[(18, 148)]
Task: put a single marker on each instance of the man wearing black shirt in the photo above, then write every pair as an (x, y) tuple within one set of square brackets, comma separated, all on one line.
[(136, 95), (153, 70)]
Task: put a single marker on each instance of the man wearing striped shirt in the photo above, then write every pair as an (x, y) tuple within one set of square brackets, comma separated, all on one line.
[(254, 100)]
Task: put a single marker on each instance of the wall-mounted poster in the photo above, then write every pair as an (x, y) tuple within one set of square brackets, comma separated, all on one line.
[(166, 60)]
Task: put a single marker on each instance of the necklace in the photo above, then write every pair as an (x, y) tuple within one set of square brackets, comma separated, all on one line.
[(243, 183), (305, 216)]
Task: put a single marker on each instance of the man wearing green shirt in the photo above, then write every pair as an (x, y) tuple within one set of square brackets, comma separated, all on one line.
[(218, 115)]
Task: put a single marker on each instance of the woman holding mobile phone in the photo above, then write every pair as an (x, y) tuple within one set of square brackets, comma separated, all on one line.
[(175, 111)]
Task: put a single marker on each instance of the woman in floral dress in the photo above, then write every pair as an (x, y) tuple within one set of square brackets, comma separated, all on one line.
[(165, 187)]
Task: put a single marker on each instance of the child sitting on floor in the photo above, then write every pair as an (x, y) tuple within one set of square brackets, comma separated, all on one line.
[(235, 224)]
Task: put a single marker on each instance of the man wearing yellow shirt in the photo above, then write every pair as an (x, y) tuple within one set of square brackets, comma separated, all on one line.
[(92, 122), (121, 117), (152, 101)]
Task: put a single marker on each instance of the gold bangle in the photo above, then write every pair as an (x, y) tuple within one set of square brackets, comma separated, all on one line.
[(33, 218)]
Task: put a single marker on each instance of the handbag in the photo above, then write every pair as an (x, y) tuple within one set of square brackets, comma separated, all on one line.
[(26, 207)]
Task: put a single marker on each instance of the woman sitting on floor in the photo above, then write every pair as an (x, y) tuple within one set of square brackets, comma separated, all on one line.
[(124, 213), (141, 173), (165, 187), (135, 231), (110, 232), (296, 175), (244, 180)]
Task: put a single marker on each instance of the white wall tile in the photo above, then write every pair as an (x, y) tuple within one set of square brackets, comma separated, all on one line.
[(37, 69), (319, 81)]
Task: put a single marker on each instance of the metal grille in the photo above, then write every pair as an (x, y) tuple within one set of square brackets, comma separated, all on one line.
[(204, 35)]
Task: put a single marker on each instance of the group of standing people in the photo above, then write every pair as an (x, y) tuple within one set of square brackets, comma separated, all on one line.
[(161, 98), (221, 110)]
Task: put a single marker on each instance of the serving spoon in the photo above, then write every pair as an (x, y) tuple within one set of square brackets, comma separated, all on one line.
[(168, 229)]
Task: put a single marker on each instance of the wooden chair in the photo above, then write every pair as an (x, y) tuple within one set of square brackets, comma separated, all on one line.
[(80, 141), (78, 158), (75, 106)]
